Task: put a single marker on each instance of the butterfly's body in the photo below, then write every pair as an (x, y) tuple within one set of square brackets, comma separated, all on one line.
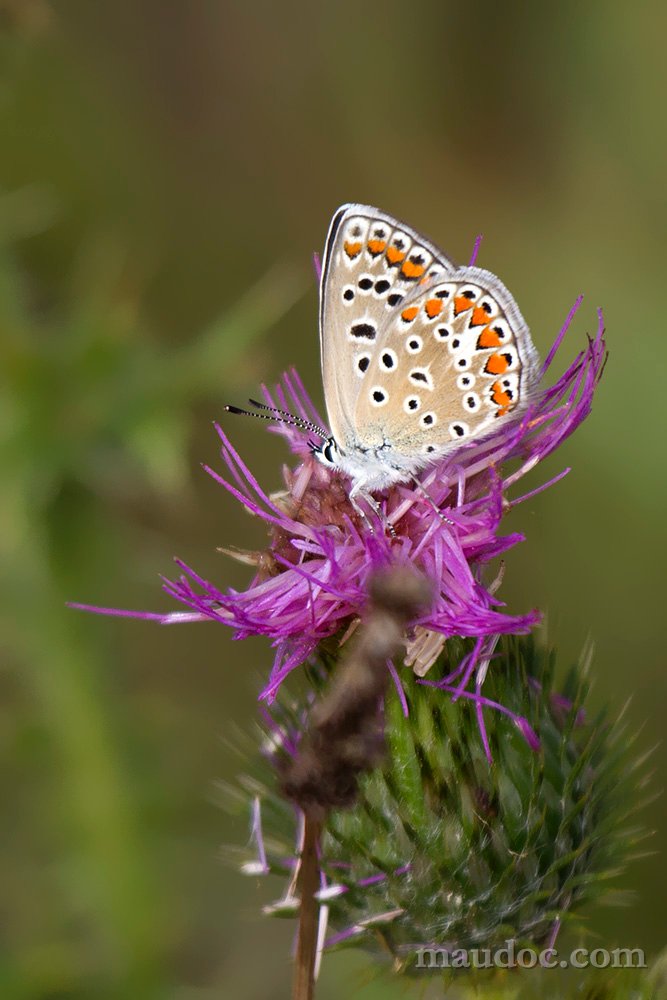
[(418, 355), (370, 467)]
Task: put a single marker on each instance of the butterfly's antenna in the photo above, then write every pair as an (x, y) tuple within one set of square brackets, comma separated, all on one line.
[(307, 425), (281, 416)]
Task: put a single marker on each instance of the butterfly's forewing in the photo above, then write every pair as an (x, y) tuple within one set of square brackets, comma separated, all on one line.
[(372, 265), (446, 365)]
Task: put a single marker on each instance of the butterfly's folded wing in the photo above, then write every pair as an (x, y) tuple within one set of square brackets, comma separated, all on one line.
[(448, 363), (371, 267)]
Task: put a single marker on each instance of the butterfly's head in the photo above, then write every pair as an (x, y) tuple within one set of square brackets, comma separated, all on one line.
[(327, 453)]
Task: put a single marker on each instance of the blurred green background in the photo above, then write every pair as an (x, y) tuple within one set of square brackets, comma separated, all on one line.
[(166, 172)]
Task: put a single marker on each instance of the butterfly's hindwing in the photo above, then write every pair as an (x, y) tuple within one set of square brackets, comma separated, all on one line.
[(456, 365), (418, 355)]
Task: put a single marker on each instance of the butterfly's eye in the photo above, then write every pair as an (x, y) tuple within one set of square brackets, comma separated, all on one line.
[(328, 452)]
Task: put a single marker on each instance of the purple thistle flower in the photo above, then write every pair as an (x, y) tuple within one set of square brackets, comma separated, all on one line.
[(438, 850), (310, 583)]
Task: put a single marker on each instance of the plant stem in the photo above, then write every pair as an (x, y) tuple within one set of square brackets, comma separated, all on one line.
[(303, 982)]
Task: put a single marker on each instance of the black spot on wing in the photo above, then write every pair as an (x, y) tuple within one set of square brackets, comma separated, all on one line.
[(363, 331)]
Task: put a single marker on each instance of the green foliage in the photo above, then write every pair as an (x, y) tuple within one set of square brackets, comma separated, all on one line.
[(89, 393), (91, 406)]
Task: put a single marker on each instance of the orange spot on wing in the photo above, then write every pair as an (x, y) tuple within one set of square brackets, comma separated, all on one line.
[(409, 314), (501, 398), (479, 317), (433, 308), (377, 246), (461, 303), (488, 338), (395, 256), (412, 270), (497, 364), (352, 249)]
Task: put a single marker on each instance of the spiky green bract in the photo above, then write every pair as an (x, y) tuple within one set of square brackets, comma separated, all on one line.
[(444, 850)]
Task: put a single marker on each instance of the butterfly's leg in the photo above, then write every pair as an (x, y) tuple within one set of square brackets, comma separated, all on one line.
[(375, 507), (422, 489), (360, 511)]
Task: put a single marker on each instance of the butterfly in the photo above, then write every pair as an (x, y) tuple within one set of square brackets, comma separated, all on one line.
[(418, 354)]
